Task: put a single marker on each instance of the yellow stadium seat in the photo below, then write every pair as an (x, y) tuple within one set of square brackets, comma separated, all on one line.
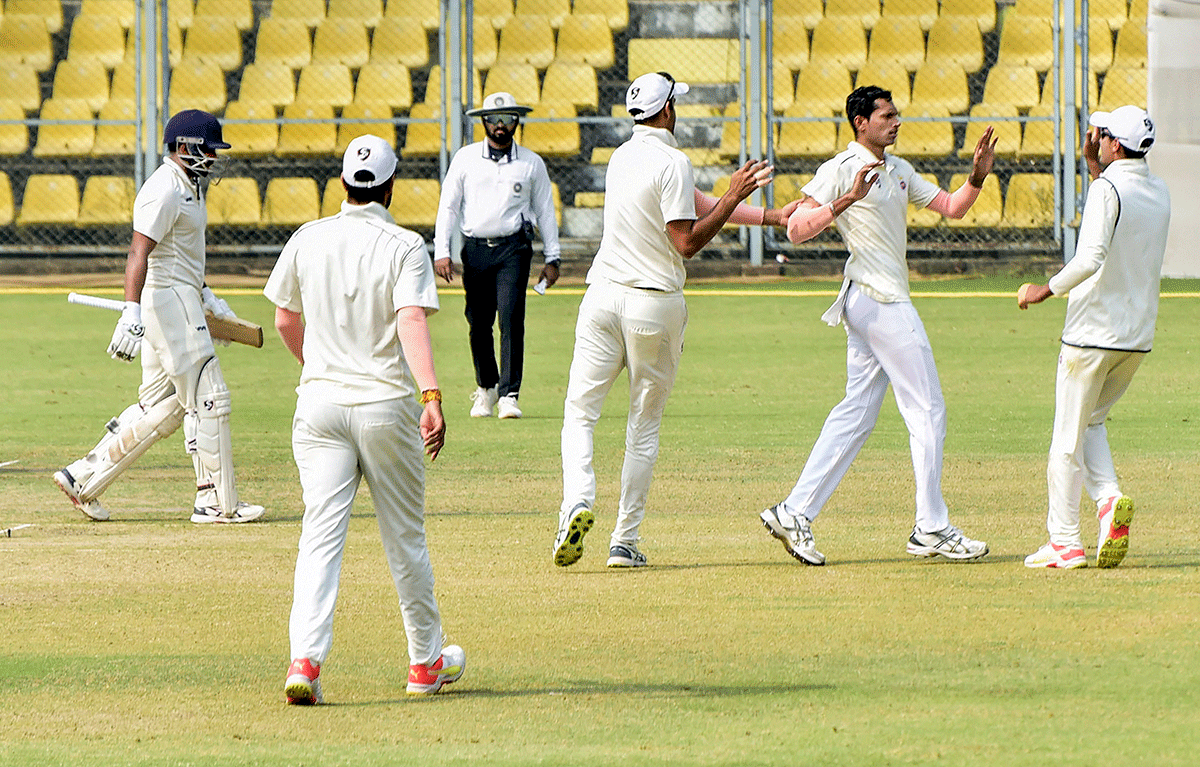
[(424, 12), (325, 84), (332, 197), (1123, 85), (955, 41), (555, 11), (926, 138), (1029, 203), (121, 10), (365, 12), (574, 83), (1015, 86), (24, 40), (551, 139), (838, 41), (731, 132), (1112, 12), (174, 41), (49, 11), (249, 139), (433, 86), (1037, 139), (789, 186), (49, 199), (100, 38), (1137, 11), (483, 40), (864, 12), (1093, 88), (616, 12), (823, 87), (495, 12), (891, 76), (923, 218), (789, 43), (240, 12), (1131, 47), (423, 139), (365, 110), (587, 39), (14, 139), (234, 202), (1100, 45), (307, 138), (983, 11), (268, 82), (807, 139), (397, 42), (783, 87), (988, 208), (310, 13), (941, 86), (180, 13), (688, 59), (1027, 42), (898, 40), (19, 84), (809, 11), (601, 154), (284, 41), (526, 39), (1032, 9), (520, 80), (85, 79), (116, 139), (107, 201), (291, 202), (589, 199), (1007, 133), (341, 41), (415, 202), (124, 82), (65, 140), (390, 84), (924, 12), (214, 39), (197, 85), (6, 200)]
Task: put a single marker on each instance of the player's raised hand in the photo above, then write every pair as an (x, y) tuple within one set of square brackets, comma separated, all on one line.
[(754, 175), (127, 337), (1091, 152), (444, 268), (864, 180), (984, 157), (433, 429)]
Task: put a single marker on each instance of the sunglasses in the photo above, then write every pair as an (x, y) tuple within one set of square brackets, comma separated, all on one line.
[(1104, 133), (507, 121)]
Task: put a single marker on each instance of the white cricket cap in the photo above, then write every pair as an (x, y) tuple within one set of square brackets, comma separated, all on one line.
[(1129, 125), (648, 94), (368, 154)]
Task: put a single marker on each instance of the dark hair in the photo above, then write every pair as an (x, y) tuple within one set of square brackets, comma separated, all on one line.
[(1132, 155), (361, 195), (861, 102)]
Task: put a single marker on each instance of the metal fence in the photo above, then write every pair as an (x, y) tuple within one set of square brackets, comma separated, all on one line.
[(88, 83)]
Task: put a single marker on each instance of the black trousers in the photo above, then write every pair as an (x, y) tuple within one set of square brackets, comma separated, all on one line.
[(495, 278)]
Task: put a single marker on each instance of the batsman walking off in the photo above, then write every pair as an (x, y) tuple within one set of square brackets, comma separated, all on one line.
[(1113, 282), (165, 301), (352, 292), (867, 191)]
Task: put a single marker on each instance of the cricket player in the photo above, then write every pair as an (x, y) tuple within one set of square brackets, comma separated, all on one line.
[(1113, 282), (165, 301), (633, 313), (867, 191), (494, 190), (352, 292)]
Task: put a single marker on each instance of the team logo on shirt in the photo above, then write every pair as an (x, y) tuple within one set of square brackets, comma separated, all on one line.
[(517, 187), (903, 185)]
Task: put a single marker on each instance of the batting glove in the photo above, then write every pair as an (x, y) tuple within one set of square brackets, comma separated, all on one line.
[(127, 338), (217, 307)]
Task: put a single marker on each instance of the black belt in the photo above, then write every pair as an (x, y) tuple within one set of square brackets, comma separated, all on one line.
[(496, 242)]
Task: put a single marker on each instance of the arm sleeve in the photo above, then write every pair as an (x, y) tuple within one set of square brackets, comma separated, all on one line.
[(1095, 235), (543, 210), (808, 221), (283, 287), (449, 208), (743, 214), (413, 285), (955, 205), (154, 212), (678, 200)]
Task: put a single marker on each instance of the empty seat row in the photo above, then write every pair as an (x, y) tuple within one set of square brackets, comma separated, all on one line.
[(370, 13)]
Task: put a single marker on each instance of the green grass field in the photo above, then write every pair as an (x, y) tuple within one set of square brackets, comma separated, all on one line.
[(148, 640)]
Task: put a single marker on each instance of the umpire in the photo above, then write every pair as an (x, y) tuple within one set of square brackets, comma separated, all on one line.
[(495, 191)]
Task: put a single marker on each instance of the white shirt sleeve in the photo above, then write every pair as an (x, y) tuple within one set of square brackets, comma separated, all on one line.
[(154, 212), (542, 202), (283, 286), (920, 191), (825, 186), (414, 284), (1095, 235), (678, 201), (449, 207)]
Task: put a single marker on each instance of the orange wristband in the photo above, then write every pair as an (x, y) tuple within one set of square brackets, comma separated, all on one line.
[(431, 395)]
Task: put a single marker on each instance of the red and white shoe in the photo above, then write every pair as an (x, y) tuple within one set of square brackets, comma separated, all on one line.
[(426, 680), (1059, 557), (1115, 514), (302, 687)]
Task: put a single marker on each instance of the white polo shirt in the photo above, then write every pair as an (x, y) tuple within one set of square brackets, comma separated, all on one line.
[(875, 229), (1114, 277), (489, 198), (648, 183), (349, 274), (170, 210)]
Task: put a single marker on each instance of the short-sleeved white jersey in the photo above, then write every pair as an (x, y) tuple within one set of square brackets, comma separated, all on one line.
[(875, 229), (649, 182), (349, 274), (170, 210)]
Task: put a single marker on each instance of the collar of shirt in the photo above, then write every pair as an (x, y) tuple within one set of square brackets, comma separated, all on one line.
[(867, 156), (370, 210), (498, 155), (1140, 167), (180, 172), (662, 134)]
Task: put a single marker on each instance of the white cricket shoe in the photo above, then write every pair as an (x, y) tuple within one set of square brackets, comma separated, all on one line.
[(625, 555), (485, 402), (449, 668), (507, 407), (92, 509), (1057, 557), (1115, 515), (245, 512), (949, 543), (794, 532), (568, 543)]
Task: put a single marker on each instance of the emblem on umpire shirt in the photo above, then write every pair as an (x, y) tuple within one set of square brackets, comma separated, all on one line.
[(517, 187)]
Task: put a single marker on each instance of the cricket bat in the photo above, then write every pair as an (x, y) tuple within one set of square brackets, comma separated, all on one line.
[(238, 330)]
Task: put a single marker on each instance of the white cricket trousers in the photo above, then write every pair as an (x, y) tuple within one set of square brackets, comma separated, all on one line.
[(884, 342), (620, 327), (335, 446), (1089, 383)]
